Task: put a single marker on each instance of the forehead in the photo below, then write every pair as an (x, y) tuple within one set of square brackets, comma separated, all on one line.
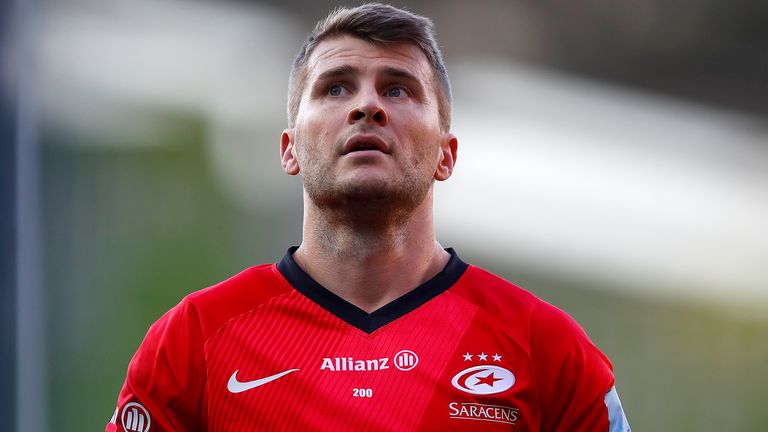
[(366, 57)]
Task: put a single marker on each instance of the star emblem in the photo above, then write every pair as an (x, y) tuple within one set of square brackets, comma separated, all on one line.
[(482, 356), (488, 379), (496, 357), (467, 357)]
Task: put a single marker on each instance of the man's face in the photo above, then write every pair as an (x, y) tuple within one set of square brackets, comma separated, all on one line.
[(368, 127)]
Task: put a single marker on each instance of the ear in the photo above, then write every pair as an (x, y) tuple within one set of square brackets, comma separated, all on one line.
[(287, 153), (448, 148)]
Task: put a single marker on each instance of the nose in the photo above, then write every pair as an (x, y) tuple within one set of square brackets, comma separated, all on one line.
[(368, 109)]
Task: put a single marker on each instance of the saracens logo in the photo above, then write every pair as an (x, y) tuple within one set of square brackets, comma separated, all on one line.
[(484, 380)]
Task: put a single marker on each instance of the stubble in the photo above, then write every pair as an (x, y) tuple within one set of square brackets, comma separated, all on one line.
[(363, 206)]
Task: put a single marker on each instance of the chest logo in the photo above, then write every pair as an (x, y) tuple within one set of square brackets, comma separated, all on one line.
[(235, 386), (484, 380), (406, 360)]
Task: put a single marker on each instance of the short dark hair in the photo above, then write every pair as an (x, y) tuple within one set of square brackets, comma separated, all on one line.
[(378, 24)]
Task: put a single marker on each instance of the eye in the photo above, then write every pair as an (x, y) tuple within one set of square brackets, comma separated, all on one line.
[(396, 92), (335, 90)]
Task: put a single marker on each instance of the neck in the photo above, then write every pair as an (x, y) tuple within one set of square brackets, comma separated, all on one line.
[(368, 257)]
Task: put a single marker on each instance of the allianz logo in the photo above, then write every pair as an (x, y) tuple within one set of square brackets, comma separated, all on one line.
[(404, 360), (340, 364)]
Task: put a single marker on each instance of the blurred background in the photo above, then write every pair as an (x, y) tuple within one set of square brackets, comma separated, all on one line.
[(613, 159)]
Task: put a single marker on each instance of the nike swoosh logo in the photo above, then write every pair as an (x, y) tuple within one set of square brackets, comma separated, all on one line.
[(236, 386)]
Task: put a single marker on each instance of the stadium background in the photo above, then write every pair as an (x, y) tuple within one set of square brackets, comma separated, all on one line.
[(613, 160)]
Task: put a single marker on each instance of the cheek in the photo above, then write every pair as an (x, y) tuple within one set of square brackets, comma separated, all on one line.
[(320, 124), (313, 143), (426, 144)]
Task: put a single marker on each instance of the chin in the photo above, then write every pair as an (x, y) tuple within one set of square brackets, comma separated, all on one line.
[(373, 195), (371, 188)]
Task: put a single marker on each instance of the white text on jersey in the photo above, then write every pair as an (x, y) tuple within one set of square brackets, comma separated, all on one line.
[(338, 364)]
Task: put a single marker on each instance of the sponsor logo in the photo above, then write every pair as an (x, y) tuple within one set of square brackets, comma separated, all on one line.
[(482, 412), (235, 386), (339, 364), (484, 380), (113, 420), (135, 418), (406, 360)]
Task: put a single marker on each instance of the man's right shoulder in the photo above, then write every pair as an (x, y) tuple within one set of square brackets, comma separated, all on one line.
[(215, 306)]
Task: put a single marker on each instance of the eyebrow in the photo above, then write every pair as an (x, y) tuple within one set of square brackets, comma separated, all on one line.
[(346, 70), (399, 73), (337, 72)]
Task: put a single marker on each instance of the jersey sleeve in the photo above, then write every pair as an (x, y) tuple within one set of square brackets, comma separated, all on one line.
[(575, 380), (163, 389)]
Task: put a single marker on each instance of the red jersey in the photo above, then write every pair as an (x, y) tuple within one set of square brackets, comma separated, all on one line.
[(272, 350)]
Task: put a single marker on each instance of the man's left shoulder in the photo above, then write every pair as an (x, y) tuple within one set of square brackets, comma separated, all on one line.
[(479, 283), (494, 294), (510, 302)]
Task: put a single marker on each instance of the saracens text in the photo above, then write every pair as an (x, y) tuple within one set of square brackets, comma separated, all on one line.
[(475, 411)]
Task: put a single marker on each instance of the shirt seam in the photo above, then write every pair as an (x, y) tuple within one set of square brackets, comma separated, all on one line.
[(242, 315)]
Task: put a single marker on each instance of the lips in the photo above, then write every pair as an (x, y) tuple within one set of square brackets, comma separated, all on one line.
[(364, 142)]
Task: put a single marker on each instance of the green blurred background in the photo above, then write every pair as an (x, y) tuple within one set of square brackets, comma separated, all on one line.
[(613, 160)]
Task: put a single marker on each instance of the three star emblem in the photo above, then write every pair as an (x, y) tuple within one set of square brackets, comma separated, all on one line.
[(481, 357)]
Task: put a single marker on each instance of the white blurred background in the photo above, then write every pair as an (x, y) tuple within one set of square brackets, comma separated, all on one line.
[(613, 159)]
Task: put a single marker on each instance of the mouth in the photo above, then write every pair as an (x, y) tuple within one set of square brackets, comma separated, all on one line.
[(360, 143)]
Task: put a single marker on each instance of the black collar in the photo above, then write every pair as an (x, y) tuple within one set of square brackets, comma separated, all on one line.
[(354, 316)]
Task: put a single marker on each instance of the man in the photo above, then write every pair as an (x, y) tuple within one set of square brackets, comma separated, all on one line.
[(369, 324)]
